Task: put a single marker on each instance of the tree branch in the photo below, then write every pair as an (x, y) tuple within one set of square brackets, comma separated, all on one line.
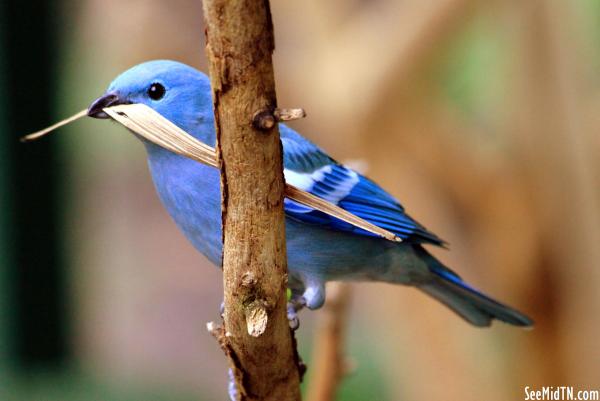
[(257, 336)]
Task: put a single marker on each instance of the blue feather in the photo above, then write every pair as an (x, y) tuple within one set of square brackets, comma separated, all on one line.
[(320, 175)]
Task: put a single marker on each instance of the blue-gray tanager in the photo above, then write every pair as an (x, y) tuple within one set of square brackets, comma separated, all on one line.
[(320, 248)]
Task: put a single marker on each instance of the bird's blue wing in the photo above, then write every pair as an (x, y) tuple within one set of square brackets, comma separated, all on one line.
[(309, 168)]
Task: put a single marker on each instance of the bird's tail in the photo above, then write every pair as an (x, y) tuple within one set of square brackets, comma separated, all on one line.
[(473, 306)]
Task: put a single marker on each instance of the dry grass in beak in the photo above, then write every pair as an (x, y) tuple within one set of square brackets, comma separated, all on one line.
[(152, 126), (51, 128), (149, 124)]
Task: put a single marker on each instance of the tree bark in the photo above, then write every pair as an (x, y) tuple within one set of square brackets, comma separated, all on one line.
[(257, 337)]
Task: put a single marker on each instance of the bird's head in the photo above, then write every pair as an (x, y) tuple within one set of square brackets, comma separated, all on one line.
[(177, 91)]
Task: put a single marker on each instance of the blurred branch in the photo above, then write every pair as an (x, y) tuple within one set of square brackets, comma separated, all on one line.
[(256, 335), (413, 31), (329, 364), (483, 185)]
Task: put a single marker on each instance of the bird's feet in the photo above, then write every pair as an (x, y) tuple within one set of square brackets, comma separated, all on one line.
[(294, 305), (232, 390)]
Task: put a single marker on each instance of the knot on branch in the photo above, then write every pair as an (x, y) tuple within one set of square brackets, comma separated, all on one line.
[(264, 120), (256, 307), (256, 318), (248, 279)]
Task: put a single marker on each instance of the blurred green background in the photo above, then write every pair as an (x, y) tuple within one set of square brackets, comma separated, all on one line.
[(482, 117)]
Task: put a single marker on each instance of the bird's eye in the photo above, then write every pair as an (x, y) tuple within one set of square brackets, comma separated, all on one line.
[(156, 91)]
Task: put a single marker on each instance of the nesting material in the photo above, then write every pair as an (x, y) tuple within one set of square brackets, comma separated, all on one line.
[(41, 133), (149, 124)]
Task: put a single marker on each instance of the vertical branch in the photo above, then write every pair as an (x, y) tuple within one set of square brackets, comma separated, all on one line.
[(257, 337), (329, 364)]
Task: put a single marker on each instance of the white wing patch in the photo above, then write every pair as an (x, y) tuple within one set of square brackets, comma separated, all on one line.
[(324, 182), (303, 181)]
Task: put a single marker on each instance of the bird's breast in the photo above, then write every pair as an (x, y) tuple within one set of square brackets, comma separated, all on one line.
[(190, 193)]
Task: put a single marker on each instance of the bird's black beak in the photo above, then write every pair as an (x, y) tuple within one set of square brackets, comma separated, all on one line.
[(110, 99)]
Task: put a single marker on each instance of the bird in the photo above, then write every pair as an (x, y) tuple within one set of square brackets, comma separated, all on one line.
[(320, 247)]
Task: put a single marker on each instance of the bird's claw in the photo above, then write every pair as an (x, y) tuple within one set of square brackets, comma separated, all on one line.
[(293, 307), (292, 316), (232, 389)]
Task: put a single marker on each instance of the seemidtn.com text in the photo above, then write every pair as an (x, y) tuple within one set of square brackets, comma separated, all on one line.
[(560, 393)]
